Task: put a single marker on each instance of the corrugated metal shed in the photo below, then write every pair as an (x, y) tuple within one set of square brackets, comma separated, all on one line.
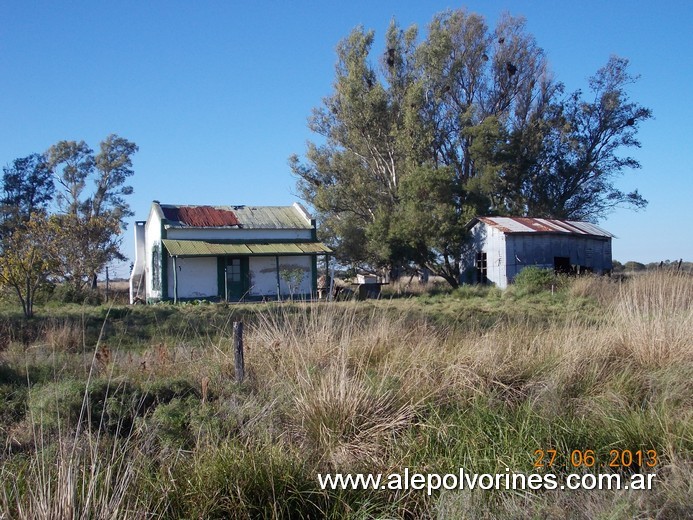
[(510, 225), (247, 217), (203, 248)]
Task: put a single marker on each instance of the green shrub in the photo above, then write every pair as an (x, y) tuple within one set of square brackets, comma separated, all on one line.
[(164, 390), (13, 402), (67, 293), (533, 280), (57, 403), (171, 422)]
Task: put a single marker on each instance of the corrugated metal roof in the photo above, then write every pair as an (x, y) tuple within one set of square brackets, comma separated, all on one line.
[(203, 248), (542, 225), (200, 216), (247, 217)]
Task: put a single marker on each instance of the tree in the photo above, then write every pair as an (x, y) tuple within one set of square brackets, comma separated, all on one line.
[(94, 220), (468, 121), (27, 188), (24, 263), (80, 246), (563, 164), (113, 165), (72, 163)]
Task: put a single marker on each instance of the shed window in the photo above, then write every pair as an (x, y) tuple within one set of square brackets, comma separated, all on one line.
[(481, 268)]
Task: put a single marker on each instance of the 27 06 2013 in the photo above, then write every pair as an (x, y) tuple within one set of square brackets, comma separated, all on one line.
[(546, 458)]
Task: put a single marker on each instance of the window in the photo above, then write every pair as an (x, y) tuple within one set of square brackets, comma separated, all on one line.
[(233, 270), (481, 268)]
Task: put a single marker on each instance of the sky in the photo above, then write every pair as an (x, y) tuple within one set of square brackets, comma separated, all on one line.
[(216, 94)]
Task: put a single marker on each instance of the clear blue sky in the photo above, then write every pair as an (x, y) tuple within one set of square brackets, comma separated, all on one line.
[(216, 94)]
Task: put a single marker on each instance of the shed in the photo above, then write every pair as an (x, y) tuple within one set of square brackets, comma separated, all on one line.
[(502, 246), (227, 253)]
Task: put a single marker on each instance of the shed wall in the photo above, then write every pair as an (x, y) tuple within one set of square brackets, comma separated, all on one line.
[(540, 250), (491, 241)]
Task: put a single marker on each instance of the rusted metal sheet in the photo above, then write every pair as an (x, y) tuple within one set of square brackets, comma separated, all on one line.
[(200, 216), (204, 248), (511, 225)]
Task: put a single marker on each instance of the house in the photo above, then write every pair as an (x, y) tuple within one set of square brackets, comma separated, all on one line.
[(227, 253), (502, 246)]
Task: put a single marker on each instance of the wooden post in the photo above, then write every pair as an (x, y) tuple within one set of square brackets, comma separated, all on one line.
[(279, 294), (175, 281), (238, 350)]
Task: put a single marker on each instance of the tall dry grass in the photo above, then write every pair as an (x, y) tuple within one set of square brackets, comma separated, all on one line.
[(378, 386)]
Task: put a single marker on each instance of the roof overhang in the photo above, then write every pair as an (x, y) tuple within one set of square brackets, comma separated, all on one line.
[(204, 248)]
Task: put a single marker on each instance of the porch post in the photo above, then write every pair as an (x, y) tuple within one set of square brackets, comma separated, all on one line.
[(175, 281), (279, 294)]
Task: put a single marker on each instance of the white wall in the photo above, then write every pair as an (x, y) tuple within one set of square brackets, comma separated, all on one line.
[(152, 234), (237, 234), (197, 277), (492, 242), (138, 275), (263, 275), (495, 257)]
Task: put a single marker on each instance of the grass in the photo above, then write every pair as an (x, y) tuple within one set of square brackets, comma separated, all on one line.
[(147, 420)]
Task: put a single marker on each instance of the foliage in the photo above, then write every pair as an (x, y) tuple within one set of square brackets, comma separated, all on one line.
[(293, 278), (92, 221), (466, 121), (26, 262), (66, 293), (76, 241), (28, 188), (534, 279), (81, 246)]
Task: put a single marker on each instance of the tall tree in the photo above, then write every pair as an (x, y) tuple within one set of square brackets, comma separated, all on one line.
[(27, 188), (95, 219), (72, 163), (468, 121), (113, 166)]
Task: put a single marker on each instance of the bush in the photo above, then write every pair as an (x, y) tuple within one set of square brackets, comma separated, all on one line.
[(66, 293), (532, 280)]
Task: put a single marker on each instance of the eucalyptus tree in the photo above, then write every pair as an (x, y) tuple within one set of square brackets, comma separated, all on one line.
[(467, 121), (94, 217)]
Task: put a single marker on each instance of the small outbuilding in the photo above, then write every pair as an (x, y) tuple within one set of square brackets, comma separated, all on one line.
[(502, 246), (230, 253)]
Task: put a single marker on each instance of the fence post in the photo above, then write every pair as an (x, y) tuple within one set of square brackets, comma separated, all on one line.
[(238, 350)]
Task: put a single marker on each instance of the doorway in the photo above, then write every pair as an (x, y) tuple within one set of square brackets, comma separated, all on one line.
[(236, 276), (561, 265)]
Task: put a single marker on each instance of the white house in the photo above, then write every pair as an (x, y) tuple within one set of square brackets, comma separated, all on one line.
[(503, 246), (225, 253)]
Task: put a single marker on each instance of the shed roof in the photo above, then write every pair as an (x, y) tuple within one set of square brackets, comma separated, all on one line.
[(247, 217), (512, 225), (204, 248)]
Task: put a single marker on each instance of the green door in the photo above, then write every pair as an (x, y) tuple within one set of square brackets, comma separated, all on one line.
[(236, 275)]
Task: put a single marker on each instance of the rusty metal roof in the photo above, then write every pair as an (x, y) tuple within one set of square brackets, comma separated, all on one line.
[(247, 217), (204, 248), (511, 225), (200, 216)]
